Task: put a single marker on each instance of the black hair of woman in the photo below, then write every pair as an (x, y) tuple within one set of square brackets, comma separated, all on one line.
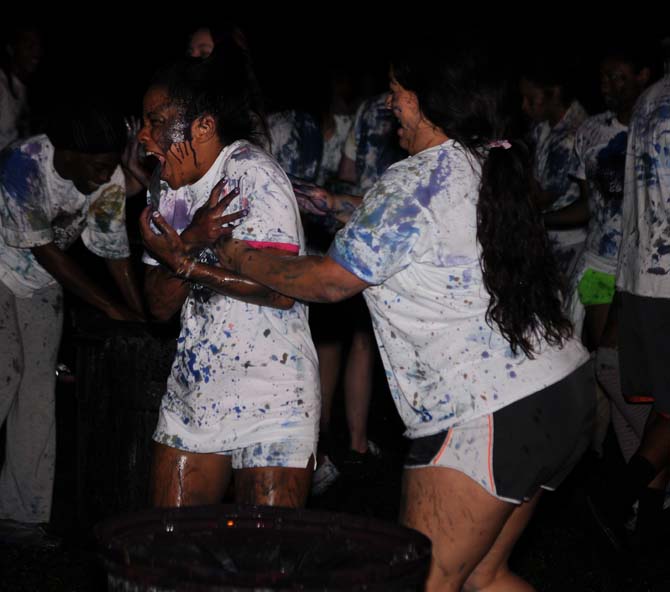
[(471, 104)]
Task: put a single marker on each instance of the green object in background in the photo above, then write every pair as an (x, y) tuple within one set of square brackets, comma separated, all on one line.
[(596, 287)]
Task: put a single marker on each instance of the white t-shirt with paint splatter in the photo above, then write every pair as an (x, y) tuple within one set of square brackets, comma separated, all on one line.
[(644, 262), (243, 373), (372, 142), (600, 148), (296, 143), (553, 164), (414, 239), (332, 150), (38, 206)]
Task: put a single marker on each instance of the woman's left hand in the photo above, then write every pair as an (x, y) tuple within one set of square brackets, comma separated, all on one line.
[(209, 223), (166, 246)]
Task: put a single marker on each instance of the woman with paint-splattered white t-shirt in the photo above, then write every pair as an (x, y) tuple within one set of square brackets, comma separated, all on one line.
[(444, 363), (242, 397), (450, 252), (244, 374)]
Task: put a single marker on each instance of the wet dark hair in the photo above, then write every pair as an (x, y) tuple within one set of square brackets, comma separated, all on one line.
[(459, 91), (223, 86), (87, 128)]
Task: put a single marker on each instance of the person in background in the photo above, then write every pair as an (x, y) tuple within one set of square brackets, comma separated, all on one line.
[(22, 55), (600, 149), (54, 188), (370, 148), (549, 103), (643, 291)]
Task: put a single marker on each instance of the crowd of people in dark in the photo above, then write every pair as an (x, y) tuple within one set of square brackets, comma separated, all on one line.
[(492, 232)]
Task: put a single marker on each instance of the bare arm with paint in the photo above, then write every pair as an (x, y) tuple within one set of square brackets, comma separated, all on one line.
[(124, 277), (67, 272), (572, 216), (321, 202), (167, 293), (312, 278)]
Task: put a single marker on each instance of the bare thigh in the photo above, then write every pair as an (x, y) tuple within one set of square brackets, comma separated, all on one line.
[(462, 520), (180, 478), (274, 486), (595, 319)]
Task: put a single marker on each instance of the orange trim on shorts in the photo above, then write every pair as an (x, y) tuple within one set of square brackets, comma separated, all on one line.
[(443, 447), (639, 399), (490, 455)]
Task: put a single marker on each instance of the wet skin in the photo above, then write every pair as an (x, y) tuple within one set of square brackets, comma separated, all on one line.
[(186, 153), (181, 479)]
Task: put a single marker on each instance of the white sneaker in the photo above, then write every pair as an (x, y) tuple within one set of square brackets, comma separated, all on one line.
[(325, 475), (374, 449)]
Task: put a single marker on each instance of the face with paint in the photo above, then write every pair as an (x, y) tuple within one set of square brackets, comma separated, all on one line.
[(166, 135), (405, 107)]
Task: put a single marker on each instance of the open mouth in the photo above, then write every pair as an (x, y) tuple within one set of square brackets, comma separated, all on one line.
[(153, 161), (154, 156)]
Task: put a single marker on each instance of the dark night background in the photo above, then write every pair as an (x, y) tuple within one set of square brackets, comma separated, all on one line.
[(115, 55)]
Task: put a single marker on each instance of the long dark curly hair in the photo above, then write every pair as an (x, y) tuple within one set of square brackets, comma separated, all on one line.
[(459, 91)]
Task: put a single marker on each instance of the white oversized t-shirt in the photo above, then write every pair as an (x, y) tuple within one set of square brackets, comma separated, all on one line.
[(600, 149), (38, 206), (243, 373), (414, 238), (644, 261)]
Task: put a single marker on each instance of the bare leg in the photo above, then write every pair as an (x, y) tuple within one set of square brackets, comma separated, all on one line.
[(493, 573), (274, 486), (628, 420), (180, 478), (655, 445), (358, 387), (595, 319), (330, 355), (472, 532)]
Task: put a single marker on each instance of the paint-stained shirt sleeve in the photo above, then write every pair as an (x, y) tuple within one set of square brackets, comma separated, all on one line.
[(378, 240), (105, 233), (273, 219), (296, 143), (350, 147), (578, 161), (24, 220), (561, 160)]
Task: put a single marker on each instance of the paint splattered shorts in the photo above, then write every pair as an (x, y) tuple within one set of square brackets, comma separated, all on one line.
[(644, 350), (596, 287), (264, 446), (532, 443), (289, 453)]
